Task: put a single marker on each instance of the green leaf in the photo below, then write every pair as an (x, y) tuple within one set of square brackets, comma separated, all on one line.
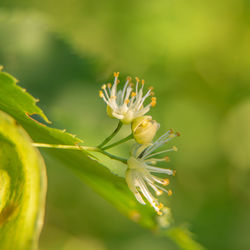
[(22, 187), (15, 101), (90, 170)]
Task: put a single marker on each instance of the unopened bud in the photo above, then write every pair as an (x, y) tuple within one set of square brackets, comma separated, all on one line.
[(144, 129)]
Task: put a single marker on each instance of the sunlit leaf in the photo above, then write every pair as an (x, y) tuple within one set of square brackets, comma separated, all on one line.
[(22, 187)]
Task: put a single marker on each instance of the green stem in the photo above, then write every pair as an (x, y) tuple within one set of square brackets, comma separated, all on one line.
[(119, 142), (78, 147), (111, 136), (113, 156)]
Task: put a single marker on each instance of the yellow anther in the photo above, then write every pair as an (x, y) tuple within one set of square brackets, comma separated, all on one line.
[(166, 182), (109, 85), (170, 192), (116, 74), (129, 78), (175, 148), (101, 94), (159, 212), (133, 94), (174, 172), (153, 98), (167, 159), (137, 79), (159, 192), (160, 206), (104, 86), (153, 103), (178, 134), (151, 88), (127, 101), (142, 82)]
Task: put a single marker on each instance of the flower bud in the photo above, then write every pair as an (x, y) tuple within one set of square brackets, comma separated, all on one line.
[(144, 129)]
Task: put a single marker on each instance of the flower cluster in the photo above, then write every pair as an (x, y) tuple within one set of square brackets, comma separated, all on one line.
[(127, 105)]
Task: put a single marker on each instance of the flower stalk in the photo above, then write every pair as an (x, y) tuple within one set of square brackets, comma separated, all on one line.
[(119, 126), (129, 137)]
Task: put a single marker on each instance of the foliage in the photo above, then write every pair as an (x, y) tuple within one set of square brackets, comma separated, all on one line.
[(22, 187), (18, 103)]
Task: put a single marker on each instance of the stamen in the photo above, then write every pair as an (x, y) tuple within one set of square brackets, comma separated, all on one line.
[(161, 206), (125, 89), (101, 94), (137, 79), (167, 159), (127, 101), (129, 78), (153, 101), (159, 192), (152, 93), (109, 85), (166, 182), (170, 192), (151, 88), (133, 94), (116, 74), (160, 152), (178, 134), (174, 172), (142, 82), (104, 86)]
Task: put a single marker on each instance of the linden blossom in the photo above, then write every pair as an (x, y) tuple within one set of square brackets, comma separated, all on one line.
[(126, 104), (139, 173)]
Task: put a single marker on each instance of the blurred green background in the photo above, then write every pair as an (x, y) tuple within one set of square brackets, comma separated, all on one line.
[(197, 56)]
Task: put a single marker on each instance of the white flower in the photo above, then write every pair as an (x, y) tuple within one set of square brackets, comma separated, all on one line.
[(126, 104), (139, 175)]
